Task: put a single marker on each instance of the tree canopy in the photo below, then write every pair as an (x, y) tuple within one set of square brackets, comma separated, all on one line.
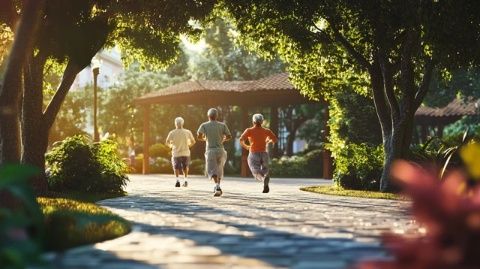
[(388, 48)]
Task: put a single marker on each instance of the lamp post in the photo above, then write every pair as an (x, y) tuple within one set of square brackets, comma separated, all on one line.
[(95, 71)]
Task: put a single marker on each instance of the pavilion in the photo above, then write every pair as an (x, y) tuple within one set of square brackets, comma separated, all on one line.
[(435, 119), (274, 91)]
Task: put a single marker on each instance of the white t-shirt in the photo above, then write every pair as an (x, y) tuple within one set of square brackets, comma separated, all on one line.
[(179, 140)]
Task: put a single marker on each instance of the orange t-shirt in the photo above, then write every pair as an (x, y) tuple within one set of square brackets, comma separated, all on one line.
[(257, 136)]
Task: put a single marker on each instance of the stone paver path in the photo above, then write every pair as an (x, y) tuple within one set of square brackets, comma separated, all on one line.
[(287, 228)]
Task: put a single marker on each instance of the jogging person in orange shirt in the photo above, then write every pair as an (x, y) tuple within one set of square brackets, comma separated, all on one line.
[(258, 158)]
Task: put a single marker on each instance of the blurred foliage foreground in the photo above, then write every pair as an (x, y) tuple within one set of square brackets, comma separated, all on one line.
[(30, 225), (446, 203)]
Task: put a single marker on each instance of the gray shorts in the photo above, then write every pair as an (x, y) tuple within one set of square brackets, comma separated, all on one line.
[(258, 163), (215, 161)]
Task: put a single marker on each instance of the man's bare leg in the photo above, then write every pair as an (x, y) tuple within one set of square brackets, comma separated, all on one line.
[(177, 173), (185, 175), (218, 190)]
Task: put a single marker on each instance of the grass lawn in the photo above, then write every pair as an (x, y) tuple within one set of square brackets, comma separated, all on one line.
[(334, 190), (71, 223)]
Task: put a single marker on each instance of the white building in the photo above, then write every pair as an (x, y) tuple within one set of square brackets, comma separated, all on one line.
[(111, 66)]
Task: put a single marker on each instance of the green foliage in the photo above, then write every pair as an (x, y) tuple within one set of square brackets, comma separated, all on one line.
[(289, 167), (164, 166), (197, 167), (72, 118), (354, 141), (161, 166), (113, 170), (77, 165), (121, 117), (358, 166), (21, 221), (307, 165), (456, 129), (72, 223), (159, 150), (224, 60), (441, 153), (6, 38)]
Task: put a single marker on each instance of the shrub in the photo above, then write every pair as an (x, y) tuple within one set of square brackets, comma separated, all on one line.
[(197, 167), (307, 165), (314, 161), (355, 141), (75, 164), (159, 150), (161, 166), (113, 168), (358, 167)]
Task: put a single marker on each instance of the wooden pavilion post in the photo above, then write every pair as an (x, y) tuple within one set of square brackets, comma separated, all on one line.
[(244, 171), (327, 155), (146, 139), (274, 128)]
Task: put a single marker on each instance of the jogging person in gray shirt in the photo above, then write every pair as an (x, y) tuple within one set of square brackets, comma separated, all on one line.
[(215, 133)]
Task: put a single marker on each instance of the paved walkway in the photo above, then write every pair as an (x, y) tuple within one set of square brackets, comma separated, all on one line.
[(287, 228)]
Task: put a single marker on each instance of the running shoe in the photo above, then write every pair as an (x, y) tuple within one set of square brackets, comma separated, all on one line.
[(185, 184), (218, 192), (177, 185), (266, 188)]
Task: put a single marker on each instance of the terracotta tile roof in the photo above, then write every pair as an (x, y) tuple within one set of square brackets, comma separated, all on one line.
[(277, 86), (457, 107)]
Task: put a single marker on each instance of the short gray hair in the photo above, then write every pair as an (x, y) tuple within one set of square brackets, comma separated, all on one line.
[(257, 118), (179, 121), (212, 112)]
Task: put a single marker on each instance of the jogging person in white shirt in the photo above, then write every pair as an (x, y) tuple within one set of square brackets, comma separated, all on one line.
[(215, 133), (180, 140)]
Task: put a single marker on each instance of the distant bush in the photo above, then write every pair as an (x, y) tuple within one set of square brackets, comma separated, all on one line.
[(75, 164), (159, 150), (307, 165), (197, 167), (161, 166), (164, 166)]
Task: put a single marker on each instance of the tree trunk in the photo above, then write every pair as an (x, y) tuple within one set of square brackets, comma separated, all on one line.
[(290, 141), (34, 131), (36, 124), (396, 146), (11, 89)]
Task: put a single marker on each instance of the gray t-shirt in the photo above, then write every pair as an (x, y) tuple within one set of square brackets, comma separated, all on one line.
[(214, 132)]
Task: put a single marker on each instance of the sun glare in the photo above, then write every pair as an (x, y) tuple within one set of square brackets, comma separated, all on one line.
[(194, 46)]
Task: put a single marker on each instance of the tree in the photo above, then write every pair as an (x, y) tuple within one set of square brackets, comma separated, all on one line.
[(394, 46), (223, 59), (73, 32), (10, 91)]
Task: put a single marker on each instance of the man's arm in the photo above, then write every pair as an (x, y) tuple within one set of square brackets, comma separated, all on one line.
[(243, 137), (201, 133), (244, 145), (168, 140), (227, 138), (272, 138), (192, 140), (226, 134)]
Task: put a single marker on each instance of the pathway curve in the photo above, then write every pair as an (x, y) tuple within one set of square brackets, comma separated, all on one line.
[(287, 228)]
